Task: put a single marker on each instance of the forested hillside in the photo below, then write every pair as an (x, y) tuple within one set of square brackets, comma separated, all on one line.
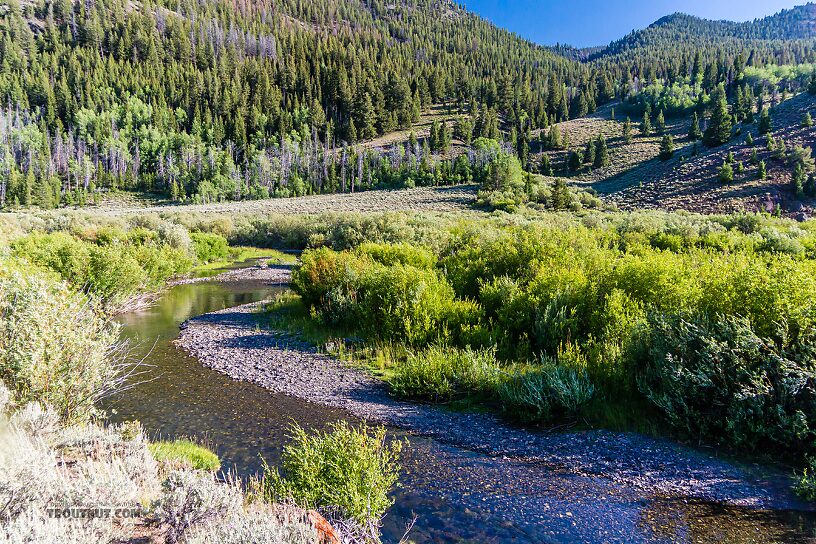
[(217, 98), (225, 100)]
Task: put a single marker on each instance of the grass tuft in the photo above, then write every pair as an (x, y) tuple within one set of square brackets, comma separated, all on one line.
[(185, 452)]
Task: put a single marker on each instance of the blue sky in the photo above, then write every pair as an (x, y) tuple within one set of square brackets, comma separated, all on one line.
[(597, 22)]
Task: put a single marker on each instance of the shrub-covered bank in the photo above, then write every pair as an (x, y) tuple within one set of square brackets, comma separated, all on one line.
[(119, 263), (59, 355), (709, 321)]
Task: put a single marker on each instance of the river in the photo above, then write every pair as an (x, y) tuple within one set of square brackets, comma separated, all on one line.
[(456, 495)]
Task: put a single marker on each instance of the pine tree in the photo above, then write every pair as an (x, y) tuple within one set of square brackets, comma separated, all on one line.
[(666, 148), (575, 161), (545, 168), (660, 124), (765, 123), (601, 152), (589, 152), (749, 140), (807, 120), (719, 126), (44, 197), (726, 173), (798, 179), (554, 138), (812, 86), (694, 132), (762, 170), (627, 131), (560, 195), (646, 124), (435, 138)]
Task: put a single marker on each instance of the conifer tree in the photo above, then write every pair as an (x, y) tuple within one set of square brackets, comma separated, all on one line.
[(694, 132), (660, 124), (646, 124), (726, 173), (765, 123), (762, 170), (719, 127), (601, 152), (666, 148), (589, 152), (575, 160), (560, 195), (627, 131)]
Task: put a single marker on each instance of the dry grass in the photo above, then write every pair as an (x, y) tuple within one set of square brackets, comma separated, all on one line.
[(624, 157), (421, 129), (690, 182), (441, 199)]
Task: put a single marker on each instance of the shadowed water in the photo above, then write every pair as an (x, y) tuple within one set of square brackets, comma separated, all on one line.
[(457, 495)]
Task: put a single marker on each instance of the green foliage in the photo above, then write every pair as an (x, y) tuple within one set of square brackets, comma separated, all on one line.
[(185, 452), (440, 374), (114, 266), (806, 486), (765, 123), (351, 469), (666, 148), (627, 131), (726, 173), (601, 152), (402, 253), (546, 391), (719, 127), (55, 346), (719, 378), (397, 301), (209, 247), (694, 132)]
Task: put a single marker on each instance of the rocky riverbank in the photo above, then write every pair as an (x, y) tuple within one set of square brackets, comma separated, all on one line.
[(263, 272), (236, 342)]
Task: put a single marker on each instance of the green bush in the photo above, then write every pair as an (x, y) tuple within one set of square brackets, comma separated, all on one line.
[(544, 392), (406, 303), (55, 347), (402, 253), (351, 469), (185, 452), (806, 485), (209, 247), (329, 281), (439, 374), (717, 378), (114, 266)]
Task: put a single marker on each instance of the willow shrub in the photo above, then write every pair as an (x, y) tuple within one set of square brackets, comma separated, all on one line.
[(55, 347), (209, 246), (581, 295), (415, 305), (440, 374), (112, 266), (349, 469)]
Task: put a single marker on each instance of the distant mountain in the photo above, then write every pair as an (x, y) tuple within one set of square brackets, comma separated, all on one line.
[(682, 30)]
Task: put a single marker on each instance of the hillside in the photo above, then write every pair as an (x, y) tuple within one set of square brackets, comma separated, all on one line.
[(220, 99), (689, 181), (680, 45), (207, 102)]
